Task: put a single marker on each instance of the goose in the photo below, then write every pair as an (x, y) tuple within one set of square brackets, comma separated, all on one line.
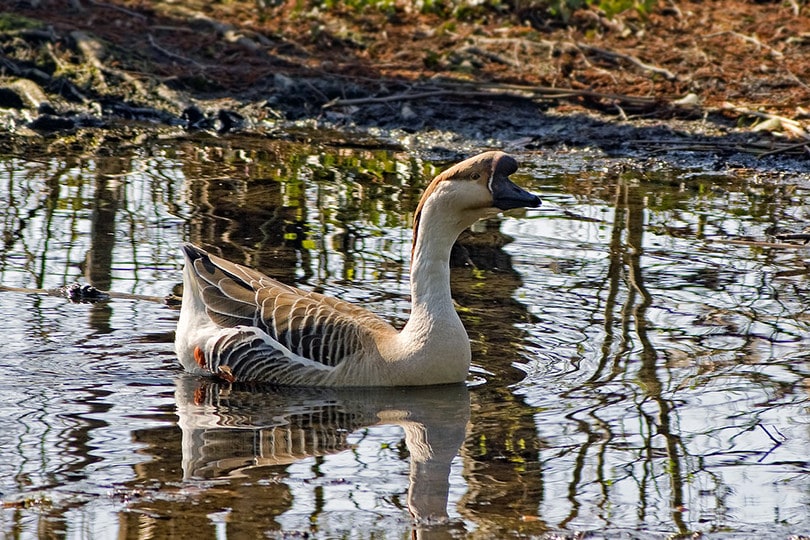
[(239, 325)]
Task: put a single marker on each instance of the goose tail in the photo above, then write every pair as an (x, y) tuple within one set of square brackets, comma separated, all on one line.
[(193, 253), (194, 323), (192, 298)]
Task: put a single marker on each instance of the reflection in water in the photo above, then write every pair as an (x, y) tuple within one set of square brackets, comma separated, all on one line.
[(642, 353), (99, 260), (626, 250), (630, 206), (227, 431), (650, 421)]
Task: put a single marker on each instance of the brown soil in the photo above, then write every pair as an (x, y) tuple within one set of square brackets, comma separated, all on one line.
[(746, 62)]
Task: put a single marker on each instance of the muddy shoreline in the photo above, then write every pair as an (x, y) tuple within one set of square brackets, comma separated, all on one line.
[(64, 86)]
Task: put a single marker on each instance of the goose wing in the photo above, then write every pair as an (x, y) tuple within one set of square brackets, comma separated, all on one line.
[(323, 329)]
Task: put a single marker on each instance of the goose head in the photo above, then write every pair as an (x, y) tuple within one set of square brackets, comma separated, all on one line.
[(473, 189)]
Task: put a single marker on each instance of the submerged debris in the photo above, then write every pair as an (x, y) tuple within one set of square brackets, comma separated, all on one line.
[(84, 293)]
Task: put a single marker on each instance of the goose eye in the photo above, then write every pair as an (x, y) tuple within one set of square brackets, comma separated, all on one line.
[(476, 176)]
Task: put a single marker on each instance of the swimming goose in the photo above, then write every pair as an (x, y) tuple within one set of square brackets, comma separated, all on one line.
[(240, 325)]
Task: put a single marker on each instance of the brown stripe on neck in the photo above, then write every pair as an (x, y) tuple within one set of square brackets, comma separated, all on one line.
[(417, 215)]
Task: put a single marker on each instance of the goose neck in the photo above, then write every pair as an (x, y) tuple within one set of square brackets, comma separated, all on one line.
[(430, 279), (436, 227), (430, 270)]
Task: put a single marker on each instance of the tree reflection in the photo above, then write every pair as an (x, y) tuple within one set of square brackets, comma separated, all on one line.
[(98, 264), (626, 250)]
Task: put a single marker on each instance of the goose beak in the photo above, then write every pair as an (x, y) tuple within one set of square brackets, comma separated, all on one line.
[(505, 193)]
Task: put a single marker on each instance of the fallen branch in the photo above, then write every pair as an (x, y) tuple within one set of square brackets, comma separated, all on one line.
[(495, 90), (92, 51), (89, 294)]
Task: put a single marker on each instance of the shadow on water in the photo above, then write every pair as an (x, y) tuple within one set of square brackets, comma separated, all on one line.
[(638, 352)]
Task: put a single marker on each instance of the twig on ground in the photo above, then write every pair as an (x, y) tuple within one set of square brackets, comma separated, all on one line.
[(171, 54), (750, 39), (786, 148), (528, 43), (173, 28), (495, 57), (119, 8), (794, 127), (765, 148), (667, 74), (340, 102)]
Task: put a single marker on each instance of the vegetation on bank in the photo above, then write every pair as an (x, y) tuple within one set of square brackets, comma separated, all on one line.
[(556, 10)]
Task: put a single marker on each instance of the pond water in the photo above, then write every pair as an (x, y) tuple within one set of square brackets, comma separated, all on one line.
[(640, 349)]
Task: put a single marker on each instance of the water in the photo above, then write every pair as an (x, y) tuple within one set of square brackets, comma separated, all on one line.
[(640, 350)]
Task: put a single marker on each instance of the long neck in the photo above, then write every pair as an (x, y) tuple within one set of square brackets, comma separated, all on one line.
[(434, 321), (434, 338), (430, 263)]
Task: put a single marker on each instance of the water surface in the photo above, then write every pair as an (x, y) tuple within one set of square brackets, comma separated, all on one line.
[(640, 350)]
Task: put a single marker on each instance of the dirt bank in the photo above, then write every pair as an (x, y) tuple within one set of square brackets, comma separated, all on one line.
[(719, 77)]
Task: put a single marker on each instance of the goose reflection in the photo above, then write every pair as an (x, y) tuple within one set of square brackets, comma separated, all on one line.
[(228, 430)]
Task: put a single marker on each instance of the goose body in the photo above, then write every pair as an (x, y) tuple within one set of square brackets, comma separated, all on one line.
[(239, 325)]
